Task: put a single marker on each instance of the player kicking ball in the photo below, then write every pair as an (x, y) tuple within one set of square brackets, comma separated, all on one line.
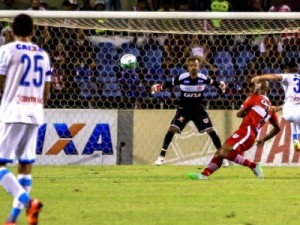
[(290, 80), (255, 111)]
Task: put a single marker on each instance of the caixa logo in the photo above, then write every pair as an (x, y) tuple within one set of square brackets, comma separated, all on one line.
[(99, 140)]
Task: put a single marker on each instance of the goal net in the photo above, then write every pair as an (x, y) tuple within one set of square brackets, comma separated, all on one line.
[(100, 113)]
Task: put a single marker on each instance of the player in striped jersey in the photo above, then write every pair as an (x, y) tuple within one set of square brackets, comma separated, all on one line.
[(255, 111), (192, 85), (25, 76), (290, 81)]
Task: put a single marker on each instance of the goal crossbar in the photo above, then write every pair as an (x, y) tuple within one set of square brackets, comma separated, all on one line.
[(167, 22)]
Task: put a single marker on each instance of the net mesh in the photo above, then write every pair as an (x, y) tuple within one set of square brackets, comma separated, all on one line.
[(86, 53), (86, 56)]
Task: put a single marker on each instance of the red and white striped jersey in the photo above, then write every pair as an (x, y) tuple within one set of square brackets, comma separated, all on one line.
[(257, 108)]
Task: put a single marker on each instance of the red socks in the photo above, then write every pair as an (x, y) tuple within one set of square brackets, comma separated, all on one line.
[(214, 165), (234, 156)]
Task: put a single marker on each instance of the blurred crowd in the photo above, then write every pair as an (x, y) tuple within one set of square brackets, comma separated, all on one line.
[(154, 5), (87, 71)]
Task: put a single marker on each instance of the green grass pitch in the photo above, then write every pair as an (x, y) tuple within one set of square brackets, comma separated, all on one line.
[(151, 195)]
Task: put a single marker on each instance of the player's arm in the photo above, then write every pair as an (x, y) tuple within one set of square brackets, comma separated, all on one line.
[(274, 108), (275, 130), (2, 82), (166, 85), (274, 77), (217, 84), (48, 79), (47, 92), (5, 59), (247, 104), (242, 112)]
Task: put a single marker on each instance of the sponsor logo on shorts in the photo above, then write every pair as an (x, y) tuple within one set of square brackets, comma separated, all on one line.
[(206, 120), (180, 119), (235, 136)]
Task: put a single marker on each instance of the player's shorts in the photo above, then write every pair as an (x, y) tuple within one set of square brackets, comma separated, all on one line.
[(242, 139), (200, 119), (18, 141), (291, 113)]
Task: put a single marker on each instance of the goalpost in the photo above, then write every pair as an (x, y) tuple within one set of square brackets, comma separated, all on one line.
[(93, 116), (160, 22)]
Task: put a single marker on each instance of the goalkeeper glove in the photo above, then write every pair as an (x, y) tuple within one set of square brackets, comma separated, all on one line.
[(156, 88)]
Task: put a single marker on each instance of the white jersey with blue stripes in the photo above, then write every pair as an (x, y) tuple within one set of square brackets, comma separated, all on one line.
[(291, 85), (27, 68)]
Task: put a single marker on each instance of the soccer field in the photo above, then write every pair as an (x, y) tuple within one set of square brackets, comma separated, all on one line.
[(135, 195)]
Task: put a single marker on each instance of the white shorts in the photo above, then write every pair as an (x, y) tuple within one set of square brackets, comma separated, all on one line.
[(18, 141), (291, 113)]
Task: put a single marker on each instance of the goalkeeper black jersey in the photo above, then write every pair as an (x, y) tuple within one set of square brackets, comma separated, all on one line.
[(191, 97)]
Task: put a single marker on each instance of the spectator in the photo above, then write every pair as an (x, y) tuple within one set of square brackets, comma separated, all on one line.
[(42, 36), (255, 6), (90, 91), (279, 6), (176, 48), (8, 5), (81, 48), (44, 4), (36, 5), (59, 91), (99, 5), (271, 50), (141, 5), (183, 6), (152, 5), (113, 5), (70, 5), (60, 54), (6, 36), (166, 6), (86, 6), (200, 49)]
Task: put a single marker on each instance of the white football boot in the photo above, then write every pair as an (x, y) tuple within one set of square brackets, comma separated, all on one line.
[(160, 160)]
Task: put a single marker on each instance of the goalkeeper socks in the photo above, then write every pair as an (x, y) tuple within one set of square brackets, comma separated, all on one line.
[(214, 165), (168, 138), (239, 159), (215, 138), (163, 152)]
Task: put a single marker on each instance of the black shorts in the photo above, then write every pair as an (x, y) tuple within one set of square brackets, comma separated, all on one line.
[(200, 119)]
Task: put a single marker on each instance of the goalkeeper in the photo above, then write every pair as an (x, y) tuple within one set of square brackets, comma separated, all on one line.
[(192, 85)]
